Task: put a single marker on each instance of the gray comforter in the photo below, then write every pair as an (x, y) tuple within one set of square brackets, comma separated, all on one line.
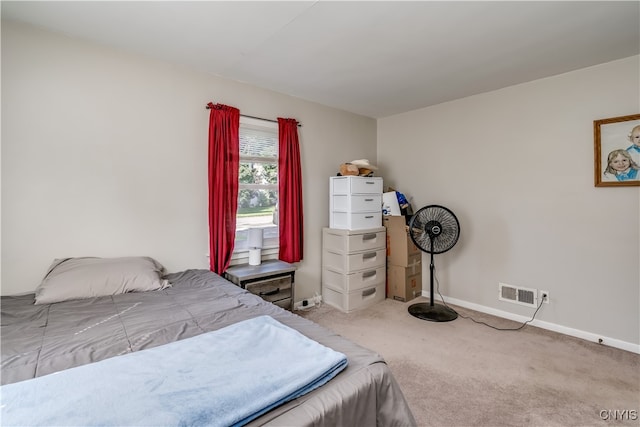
[(40, 339)]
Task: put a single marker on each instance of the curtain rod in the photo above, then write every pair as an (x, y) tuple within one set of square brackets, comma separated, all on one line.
[(258, 118)]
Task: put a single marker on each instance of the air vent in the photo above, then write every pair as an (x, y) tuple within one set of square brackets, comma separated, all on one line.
[(518, 295)]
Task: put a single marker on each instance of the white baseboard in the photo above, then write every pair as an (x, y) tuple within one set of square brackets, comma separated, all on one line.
[(611, 342)]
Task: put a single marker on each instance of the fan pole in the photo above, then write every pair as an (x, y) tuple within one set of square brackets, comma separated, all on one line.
[(432, 267)]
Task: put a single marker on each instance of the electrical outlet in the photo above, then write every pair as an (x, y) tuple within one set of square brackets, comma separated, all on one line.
[(544, 296)]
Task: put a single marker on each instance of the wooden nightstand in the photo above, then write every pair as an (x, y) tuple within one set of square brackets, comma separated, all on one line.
[(272, 280)]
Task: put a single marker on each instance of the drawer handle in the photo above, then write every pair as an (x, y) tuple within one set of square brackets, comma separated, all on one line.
[(368, 200), (267, 293), (368, 292), (369, 236), (368, 274), (369, 216), (369, 255), (370, 182)]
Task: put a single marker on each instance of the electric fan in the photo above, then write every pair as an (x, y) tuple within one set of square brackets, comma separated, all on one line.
[(434, 229)]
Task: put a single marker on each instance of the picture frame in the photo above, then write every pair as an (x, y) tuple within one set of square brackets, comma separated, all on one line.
[(617, 151)]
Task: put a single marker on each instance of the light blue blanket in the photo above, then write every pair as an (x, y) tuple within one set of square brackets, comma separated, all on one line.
[(222, 378)]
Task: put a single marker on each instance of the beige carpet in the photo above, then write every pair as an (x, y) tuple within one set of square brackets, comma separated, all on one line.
[(460, 373)]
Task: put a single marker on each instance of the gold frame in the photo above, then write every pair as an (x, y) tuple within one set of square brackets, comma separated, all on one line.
[(599, 127)]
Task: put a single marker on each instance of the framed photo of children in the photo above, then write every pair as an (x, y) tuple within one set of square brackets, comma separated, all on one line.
[(617, 151)]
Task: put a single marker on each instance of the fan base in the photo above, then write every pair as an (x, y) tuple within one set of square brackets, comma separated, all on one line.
[(434, 313)]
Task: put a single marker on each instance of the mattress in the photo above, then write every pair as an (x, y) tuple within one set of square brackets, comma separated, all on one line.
[(37, 340)]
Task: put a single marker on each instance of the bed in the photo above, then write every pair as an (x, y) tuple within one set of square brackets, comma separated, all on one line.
[(65, 335)]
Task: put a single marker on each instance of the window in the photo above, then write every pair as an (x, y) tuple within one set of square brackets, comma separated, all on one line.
[(258, 185)]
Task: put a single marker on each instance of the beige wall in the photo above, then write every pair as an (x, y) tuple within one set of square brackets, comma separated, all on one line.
[(516, 167), (104, 154)]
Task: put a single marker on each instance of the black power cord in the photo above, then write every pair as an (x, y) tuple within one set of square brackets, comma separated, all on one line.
[(483, 323)]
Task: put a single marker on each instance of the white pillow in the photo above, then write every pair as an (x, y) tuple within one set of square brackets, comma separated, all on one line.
[(78, 278)]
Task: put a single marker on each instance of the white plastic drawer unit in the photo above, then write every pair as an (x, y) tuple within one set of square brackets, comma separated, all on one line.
[(355, 221), (354, 281), (355, 202), (342, 263), (356, 185), (345, 241), (350, 301)]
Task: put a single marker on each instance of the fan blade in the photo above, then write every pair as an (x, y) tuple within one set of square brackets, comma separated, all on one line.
[(422, 240)]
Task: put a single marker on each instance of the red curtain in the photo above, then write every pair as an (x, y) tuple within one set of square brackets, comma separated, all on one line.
[(224, 164), (289, 191)]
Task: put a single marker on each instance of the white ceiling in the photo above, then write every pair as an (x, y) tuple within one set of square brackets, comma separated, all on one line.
[(372, 58)]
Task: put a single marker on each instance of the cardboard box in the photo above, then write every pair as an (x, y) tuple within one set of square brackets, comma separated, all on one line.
[(403, 284), (400, 247)]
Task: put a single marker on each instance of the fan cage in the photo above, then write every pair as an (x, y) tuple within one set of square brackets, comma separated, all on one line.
[(428, 239)]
